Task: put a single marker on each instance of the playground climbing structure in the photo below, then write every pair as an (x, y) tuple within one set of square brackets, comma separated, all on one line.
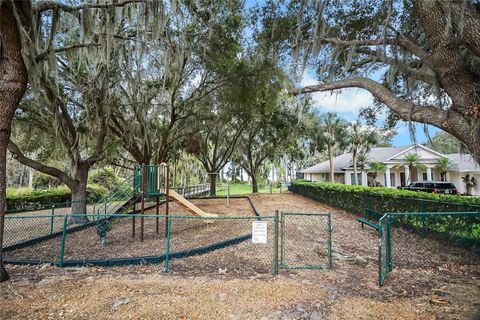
[(149, 183)]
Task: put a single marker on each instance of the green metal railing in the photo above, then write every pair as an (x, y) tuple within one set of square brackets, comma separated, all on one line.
[(116, 198)]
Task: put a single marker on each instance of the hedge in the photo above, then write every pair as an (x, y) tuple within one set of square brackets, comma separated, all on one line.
[(23, 199), (382, 199), (464, 229)]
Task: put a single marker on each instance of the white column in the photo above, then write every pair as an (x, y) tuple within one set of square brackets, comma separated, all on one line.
[(347, 178), (387, 178), (447, 176), (407, 175), (364, 179), (429, 174)]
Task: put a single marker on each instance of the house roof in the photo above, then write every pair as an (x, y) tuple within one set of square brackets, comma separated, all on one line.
[(464, 162), (345, 160), (392, 155)]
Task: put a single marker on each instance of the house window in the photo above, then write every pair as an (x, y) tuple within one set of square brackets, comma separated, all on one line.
[(443, 176), (392, 179), (424, 176), (359, 179)]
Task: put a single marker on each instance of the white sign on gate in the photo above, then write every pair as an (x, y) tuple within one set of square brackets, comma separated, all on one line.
[(259, 232)]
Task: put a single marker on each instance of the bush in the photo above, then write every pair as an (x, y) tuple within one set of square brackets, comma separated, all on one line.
[(382, 199), (95, 192), (31, 199), (44, 181), (105, 177), (26, 198), (464, 229)]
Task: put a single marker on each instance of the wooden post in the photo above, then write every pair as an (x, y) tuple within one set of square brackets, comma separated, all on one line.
[(167, 193), (174, 172), (142, 222)]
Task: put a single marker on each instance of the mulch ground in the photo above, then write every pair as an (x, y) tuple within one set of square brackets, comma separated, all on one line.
[(431, 279)]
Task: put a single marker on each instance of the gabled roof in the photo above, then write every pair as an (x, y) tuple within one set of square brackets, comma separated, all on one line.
[(345, 160), (414, 148), (464, 162), (393, 155), (339, 162)]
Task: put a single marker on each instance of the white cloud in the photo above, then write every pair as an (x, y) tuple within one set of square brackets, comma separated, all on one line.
[(349, 100)]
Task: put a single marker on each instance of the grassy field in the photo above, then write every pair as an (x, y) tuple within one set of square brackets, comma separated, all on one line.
[(245, 189)]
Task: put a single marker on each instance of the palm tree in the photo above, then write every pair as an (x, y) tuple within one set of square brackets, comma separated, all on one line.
[(376, 167), (331, 132), (412, 160), (361, 139), (470, 182), (362, 160), (443, 164)]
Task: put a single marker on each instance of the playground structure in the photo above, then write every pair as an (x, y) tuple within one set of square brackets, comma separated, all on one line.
[(150, 182)]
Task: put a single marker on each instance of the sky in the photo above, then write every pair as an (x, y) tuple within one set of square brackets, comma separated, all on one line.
[(348, 102)]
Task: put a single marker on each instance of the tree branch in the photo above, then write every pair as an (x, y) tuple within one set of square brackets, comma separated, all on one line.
[(407, 110), (45, 53), (54, 172), (402, 41), (45, 5)]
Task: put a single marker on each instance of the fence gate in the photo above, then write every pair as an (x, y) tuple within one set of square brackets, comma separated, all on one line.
[(305, 240)]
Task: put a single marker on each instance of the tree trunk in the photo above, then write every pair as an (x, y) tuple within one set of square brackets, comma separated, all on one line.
[(355, 171), (13, 84), (79, 196), (20, 181), (254, 184), (30, 177), (4, 137), (330, 157), (213, 184)]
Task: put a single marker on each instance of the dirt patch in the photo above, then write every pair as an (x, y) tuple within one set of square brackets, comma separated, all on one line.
[(431, 279)]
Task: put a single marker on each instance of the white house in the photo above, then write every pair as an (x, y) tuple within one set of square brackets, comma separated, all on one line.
[(396, 173)]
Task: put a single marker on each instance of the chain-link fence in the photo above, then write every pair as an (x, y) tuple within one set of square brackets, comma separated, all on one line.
[(306, 241), (223, 245), (185, 244), (452, 229)]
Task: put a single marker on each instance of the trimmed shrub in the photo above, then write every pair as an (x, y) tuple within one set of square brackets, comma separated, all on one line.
[(463, 230), (22, 199), (382, 199)]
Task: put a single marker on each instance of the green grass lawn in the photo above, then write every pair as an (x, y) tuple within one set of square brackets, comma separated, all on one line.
[(245, 189)]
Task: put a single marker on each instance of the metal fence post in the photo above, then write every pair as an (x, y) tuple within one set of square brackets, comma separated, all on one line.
[(167, 249), (330, 264), (275, 244), (62, 243), (389, 244), (282, 239), (380, 282), (52, 219)]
